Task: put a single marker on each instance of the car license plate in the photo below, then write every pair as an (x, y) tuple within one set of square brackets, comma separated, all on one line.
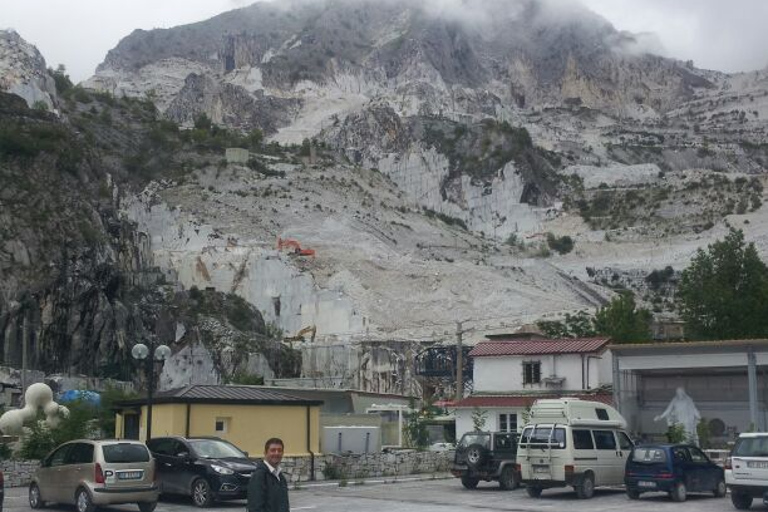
[(757, 464), (646, 484), (541, 469), (130, 475)]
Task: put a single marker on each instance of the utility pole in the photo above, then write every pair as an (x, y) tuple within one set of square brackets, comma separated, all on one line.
[(459, 364), (24, 349)]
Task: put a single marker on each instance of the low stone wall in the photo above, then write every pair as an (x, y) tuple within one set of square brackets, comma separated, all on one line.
[(360, 466), (327, 467), (18, 473)]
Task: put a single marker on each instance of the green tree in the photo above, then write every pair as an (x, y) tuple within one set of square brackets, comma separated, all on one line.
[(306, 145), (415, 428), (255, 138), (580, 325), (676, 434), (623, 321), (106, 413), (560, 244), (61, 79), (479, 418), (41, 439), (723, 293), (203, 122)]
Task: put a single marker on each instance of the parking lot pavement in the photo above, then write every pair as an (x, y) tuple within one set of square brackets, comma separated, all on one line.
[(434, 496)]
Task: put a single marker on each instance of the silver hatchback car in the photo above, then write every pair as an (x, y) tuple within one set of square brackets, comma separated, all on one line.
[(88, 474)]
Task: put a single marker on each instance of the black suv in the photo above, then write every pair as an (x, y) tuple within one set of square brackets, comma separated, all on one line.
[(205, 468), (487, 456)]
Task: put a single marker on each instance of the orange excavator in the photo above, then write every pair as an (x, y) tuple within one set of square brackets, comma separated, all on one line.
[(312, 330), (293, 247)]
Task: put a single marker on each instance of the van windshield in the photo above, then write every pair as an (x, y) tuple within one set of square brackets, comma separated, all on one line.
[(751, 447), (545, 435), (647, 455)]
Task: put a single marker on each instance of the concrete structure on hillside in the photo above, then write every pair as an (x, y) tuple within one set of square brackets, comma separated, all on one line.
[(726, 380), (510, 374), (237, 155), (245, 415)]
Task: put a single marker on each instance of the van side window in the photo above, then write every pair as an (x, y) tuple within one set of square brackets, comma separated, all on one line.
[(582, 440), (602, 414), (604, 439), (624, 442), (525, 437), (558, 436)]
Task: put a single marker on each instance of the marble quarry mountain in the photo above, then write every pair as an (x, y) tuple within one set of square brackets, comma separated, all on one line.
[(402, 167)]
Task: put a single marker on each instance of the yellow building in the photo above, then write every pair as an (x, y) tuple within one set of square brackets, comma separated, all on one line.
[(244, 415)]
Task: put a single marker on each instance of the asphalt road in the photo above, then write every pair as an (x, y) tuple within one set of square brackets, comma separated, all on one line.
[(445, 495)]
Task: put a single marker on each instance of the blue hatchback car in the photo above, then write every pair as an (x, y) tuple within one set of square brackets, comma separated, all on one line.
[(677, 469)]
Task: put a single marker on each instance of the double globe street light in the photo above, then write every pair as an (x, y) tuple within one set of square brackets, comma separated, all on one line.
[(160, 353)]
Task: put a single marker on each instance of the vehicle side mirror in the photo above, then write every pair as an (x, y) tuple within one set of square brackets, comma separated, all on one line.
[(246, 454), (183, 455)]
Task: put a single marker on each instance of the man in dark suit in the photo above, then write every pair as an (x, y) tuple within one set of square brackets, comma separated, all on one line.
[(268, 488)]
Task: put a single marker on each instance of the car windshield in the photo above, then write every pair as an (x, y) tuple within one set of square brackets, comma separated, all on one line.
[(215, 449), (751, 447), (649, 455), (124, 453), (468, 439)]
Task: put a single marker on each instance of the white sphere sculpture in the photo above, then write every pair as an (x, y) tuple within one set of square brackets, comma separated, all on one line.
[(37, 396)]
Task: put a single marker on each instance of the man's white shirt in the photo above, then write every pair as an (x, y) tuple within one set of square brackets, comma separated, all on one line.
[(274, 471)]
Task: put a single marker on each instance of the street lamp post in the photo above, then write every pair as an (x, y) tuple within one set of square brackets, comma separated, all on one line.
[(160, 353)]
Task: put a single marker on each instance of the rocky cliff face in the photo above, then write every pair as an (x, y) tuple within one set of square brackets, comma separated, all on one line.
[(23, 71), (467, 60), (373, 78), (78, 283)]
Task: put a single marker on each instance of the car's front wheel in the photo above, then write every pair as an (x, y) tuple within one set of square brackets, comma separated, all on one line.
[(469, 482), (35, 498), (202, 494), (633, 494), (741, 501)]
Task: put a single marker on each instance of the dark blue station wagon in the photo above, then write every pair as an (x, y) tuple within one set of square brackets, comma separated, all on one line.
[(677, 469)]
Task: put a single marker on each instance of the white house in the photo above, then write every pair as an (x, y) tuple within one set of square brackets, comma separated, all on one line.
[(510, 374)]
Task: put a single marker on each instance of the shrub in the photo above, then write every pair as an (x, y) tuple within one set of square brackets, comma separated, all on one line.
[(562, 245), (333, 472), (246, 379), (676, 434), (42, 439)]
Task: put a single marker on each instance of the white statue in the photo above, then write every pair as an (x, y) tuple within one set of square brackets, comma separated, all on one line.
[(682, 411), (37, 396)]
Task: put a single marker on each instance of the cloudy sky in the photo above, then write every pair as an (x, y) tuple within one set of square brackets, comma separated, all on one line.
[(715, 34)]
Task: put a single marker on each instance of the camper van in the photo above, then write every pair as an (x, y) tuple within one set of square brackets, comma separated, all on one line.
[(572, 442)]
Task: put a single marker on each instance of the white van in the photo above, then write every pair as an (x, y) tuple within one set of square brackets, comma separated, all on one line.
[(572, 442)]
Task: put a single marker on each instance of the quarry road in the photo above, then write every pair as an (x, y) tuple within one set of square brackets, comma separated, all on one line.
[(431, 495)]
